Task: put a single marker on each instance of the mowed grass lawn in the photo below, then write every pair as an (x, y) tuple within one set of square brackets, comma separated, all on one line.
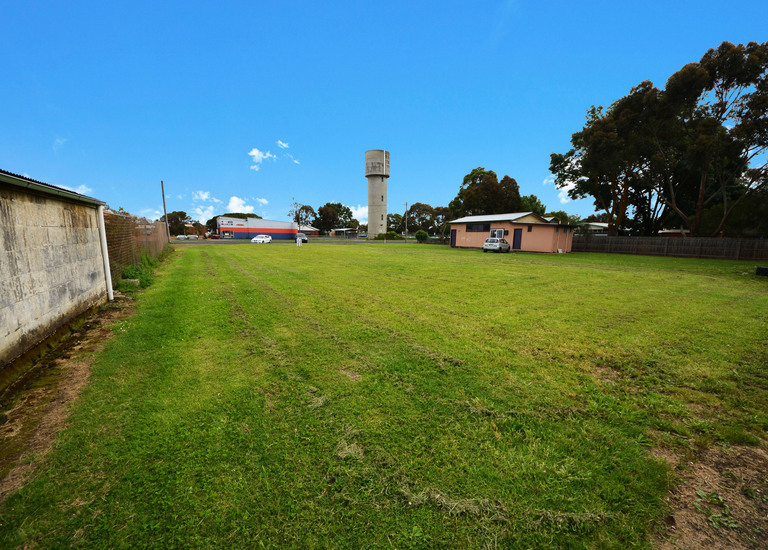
[(403, 396)]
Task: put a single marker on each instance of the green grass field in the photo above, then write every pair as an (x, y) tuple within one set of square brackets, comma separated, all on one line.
[(403, 396)]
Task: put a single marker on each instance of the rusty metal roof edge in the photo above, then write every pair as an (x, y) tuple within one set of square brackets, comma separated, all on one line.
[(47, 188)]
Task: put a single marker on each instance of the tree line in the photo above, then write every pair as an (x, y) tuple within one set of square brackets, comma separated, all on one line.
[(480, 193), (692, 155)]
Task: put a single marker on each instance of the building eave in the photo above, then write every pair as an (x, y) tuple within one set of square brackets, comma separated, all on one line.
[(46, 188)]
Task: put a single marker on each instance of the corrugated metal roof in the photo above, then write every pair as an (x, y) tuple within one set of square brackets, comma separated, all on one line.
[(29, 183), (509, 217)]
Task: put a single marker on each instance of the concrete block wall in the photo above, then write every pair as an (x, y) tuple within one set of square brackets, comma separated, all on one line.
[(51, 267)]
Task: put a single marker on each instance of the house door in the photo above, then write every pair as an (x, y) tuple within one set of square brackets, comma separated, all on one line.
[(517, 239), (453, 238)]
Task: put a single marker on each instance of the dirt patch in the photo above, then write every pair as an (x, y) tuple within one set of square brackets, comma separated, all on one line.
[(38, 411), (351, 374), (722, 500)]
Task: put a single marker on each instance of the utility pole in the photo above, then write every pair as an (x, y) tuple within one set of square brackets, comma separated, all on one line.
[(165, 213)]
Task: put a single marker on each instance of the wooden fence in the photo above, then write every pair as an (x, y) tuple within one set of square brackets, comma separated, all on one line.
[(690, 247)]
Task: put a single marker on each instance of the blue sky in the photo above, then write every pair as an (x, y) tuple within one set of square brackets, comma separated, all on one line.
[(245, 105)]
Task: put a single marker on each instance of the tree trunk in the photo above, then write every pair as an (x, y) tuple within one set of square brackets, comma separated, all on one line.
[(699, 206)]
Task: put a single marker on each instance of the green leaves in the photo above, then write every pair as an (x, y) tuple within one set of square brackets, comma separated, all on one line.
[(482, 193), (719, 517), (664, 156)]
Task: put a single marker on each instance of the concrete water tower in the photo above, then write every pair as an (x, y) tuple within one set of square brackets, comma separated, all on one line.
[(377, 172)]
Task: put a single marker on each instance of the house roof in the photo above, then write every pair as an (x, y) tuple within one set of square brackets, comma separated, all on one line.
[(41, 187), (509, 217)]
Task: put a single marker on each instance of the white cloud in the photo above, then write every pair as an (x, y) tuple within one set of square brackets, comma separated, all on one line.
[(58, 143), (150, 213), (203, 213), (259, 157), (290, 156), (563, 194), (263, 202), (360, 213), (204, 196), (562, 191), (82, 189), (236, 204)]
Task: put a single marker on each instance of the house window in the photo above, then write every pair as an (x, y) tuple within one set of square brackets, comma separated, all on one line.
[(557, 230), (498, 233), (478, 227), (530, 228), (382, 198), (382, 217)]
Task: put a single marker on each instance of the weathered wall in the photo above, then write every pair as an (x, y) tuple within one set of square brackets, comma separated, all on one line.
[(51, 267)]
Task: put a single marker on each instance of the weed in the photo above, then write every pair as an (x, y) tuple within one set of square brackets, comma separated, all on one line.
[(717, 518), (142, 272)]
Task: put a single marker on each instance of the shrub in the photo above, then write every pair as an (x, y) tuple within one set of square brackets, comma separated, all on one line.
[(388, 236), (141, 271), (422, 236)]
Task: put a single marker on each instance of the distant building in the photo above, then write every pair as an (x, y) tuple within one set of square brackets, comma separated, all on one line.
[(309, 230), (238, 228), (593, 228), (347, 232)]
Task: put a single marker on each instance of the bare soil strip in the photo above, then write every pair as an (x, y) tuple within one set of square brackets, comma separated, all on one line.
[(39, 411)]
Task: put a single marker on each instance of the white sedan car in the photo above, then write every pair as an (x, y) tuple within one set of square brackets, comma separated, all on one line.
[(497, 245), (261, 239)]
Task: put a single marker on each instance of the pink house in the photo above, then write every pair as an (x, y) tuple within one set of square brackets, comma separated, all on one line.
[(525, 232)]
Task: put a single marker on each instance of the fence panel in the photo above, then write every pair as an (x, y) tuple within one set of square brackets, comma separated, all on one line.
[(128, 238), (690, 247)]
